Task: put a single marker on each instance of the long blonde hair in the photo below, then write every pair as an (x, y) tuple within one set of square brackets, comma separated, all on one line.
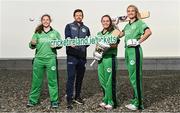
[(136, 9)]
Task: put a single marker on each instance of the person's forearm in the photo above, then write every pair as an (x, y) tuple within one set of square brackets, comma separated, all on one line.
[(121, 34), (113, 45), (32, 46), (117, 33), (145, 36), (58, 47)]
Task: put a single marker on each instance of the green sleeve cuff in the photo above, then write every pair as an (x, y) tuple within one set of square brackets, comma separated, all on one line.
[(32, 46)]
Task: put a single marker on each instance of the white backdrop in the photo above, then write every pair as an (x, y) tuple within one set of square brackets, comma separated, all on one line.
[(16, 29)]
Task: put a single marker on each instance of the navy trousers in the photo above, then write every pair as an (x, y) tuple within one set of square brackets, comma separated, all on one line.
[(75, 71)]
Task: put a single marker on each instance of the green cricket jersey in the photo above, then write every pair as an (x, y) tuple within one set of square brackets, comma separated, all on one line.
[(111, 51), (134, 30), (43, 49)]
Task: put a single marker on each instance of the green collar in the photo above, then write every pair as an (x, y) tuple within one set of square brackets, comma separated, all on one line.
[(133, 22), (104, 33), (51, 29), (108, 31)]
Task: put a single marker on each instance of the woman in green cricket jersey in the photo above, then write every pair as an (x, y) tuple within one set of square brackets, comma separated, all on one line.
[(107, 66), (135, 32), (45, 60)]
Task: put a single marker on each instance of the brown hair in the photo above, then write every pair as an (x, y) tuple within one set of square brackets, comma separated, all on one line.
[(111, 27), (78, 10), (39, 28), (138, 16)]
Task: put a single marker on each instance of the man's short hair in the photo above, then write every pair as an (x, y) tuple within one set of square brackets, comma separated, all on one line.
[(78, 10)]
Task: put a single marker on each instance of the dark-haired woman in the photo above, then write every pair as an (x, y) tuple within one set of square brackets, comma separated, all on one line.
[(45, 60), (107, 65)]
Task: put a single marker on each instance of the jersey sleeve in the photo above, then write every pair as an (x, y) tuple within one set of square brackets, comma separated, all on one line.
[(59, 35), (143, 27), (67, 31), (34, 37), (98, 34), (88, 34), (123, 30)]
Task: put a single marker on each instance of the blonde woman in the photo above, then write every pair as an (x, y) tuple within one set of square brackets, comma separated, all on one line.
[(135, 32)]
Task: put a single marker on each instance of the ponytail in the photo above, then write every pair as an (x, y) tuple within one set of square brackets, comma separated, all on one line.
[(39, 29)]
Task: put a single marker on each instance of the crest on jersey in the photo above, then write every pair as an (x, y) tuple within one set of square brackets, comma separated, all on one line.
[(133, 26), (132, 62), (109, 70), (83, 30), (53, 68)]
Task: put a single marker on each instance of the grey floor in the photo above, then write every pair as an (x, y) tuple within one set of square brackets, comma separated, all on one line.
[(161, 92)]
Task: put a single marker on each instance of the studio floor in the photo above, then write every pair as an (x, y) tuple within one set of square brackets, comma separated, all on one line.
[(161, 92)]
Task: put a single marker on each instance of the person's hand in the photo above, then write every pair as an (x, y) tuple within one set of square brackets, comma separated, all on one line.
[(116, 32), (33, 42), (56, 47), (53, 46), (97, 55), (73, 46), (136, 44), (133, 43)]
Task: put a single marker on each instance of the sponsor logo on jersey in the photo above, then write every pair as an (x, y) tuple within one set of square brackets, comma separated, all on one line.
[(74, 28)]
